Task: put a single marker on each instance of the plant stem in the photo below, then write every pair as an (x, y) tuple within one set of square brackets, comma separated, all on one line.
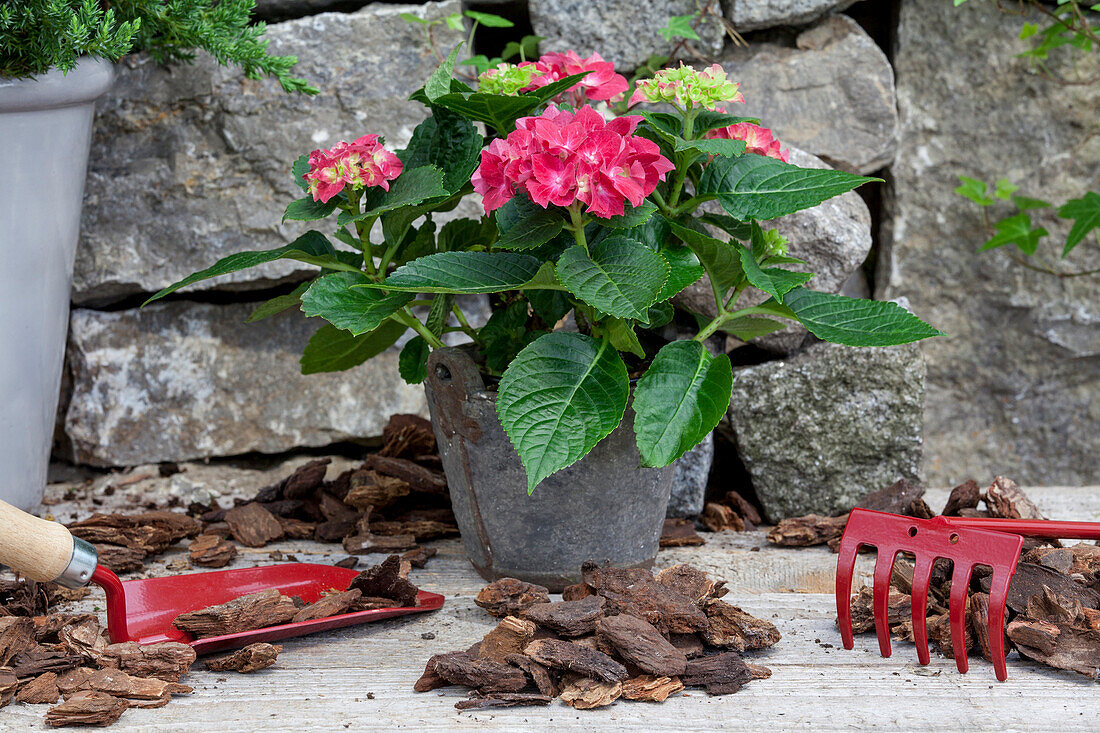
[(577, 225), (405, 316), (464, 324)]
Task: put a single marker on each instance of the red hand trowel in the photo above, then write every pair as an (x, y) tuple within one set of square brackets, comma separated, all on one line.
[(143, 610)]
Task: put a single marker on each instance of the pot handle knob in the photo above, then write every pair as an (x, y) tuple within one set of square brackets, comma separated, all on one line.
[(453, 371), (44, 551)]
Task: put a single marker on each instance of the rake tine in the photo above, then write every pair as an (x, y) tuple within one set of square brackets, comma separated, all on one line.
[(845, 567), (998, 597), (884, 567), (922, 575), (960, 583)]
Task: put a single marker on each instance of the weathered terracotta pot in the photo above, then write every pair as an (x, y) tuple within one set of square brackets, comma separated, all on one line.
[(603, 508)]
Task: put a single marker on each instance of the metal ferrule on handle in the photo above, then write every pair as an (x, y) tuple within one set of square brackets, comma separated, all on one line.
[(78, 573)]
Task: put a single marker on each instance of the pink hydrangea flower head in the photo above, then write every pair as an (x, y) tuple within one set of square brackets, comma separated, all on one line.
[(562, 157), (509, 79), (758, 140), (600, 84), (687, 87), (357, 164)]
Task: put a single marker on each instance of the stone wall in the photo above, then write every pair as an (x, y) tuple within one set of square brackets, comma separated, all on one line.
[(191, 163)]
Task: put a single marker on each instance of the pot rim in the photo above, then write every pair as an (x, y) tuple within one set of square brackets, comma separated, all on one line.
[(83, 84)]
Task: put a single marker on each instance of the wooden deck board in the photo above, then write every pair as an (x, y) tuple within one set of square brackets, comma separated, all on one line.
[(361, 678)]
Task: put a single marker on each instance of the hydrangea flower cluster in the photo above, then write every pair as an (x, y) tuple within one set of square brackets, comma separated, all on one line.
[(357, 164), (509, 79), (687, 87), (560, 157), (759, 140), (601, 84)]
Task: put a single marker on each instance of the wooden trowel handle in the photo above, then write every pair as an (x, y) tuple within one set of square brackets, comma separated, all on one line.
[(43, 550)]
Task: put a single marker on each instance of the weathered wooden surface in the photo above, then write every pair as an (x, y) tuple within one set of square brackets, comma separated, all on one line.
[(363, 676)]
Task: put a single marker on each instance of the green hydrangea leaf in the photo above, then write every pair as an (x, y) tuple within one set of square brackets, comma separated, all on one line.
[(412, 362), (359, 310), (618, 275), (464, 272), (856, 322), (333, 349), (524, 224)]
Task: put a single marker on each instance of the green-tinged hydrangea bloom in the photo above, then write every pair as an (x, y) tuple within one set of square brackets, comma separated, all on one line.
[(775, 244), (508, 79), (687, 87)]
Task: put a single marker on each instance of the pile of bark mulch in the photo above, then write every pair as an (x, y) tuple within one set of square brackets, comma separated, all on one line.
[(394, 501), (1053, 614), (734, 513), (619, 634), (66, 660)]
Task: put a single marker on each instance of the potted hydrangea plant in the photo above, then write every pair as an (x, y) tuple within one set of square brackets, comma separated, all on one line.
[(559, 421), (55, 61)]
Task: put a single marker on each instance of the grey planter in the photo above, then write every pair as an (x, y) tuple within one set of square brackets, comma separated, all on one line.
[(603, 508), (45, 131)]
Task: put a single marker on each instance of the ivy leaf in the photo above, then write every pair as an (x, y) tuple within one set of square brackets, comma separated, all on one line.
[(333, 349), (449, 142), (439, 83), (758, 187), (410, 188), (412, 363), (1085, 213), (721, 260), (488, 19), (312, 248), (1004, 189), (278, 304), (1026, 203), (856, 322), (1016, 230), (358, 310), (679, 400), (523, 224), (974, 190), (463, 272), (560, 396), (748, 328), (618, 275), (679, 26), (774, 281)]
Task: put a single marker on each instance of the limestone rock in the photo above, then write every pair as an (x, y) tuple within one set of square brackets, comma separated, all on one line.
[(831, 94), (1013, 388), (190, 164), (689, 482), (621, 31), (751, 15), (182, 380), (833, 238), (820, 430)]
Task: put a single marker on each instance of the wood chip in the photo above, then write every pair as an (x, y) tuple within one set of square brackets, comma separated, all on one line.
[(939, 633), (17, 635), (1005, 499), (510, 597), (167, 660), (719, 518), (509, 637), (680, 533), (570, 657), (331, 605), (637, 642), (964, 496), (252, 525), (384, 581), (365, 542), (637, 593), (372, 489), (899, 608), (483, 674), (585, 693), (1080, 559), (246, 660), (504, 700), (1029, 580), (1061, 645), (211, 551), (743, 507), (539, 673), (407, 436), (120, 559), (977, 616), (151, 532), (91, 708), (253, 611), (39, 660), (689, 644), (568, 618), (9, 684), (418, 556), (296, 529), (721, 674), (691, 582), (576, 592), (648, 688), (430, 679), (42, 690), (305, 479), (416, 476), (812, 529), (729, 626), (422, 530), (895, 498), (86, 638)]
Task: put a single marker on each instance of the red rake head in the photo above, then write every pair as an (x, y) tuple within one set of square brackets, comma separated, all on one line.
[(927, 540)]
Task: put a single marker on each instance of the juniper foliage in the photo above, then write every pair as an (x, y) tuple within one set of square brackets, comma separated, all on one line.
[(38, 35)]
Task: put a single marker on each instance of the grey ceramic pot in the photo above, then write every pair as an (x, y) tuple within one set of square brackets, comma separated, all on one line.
[(45, 131), (602, 508)]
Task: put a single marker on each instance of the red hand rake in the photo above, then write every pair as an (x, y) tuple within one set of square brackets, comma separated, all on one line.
[(966, 542)]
